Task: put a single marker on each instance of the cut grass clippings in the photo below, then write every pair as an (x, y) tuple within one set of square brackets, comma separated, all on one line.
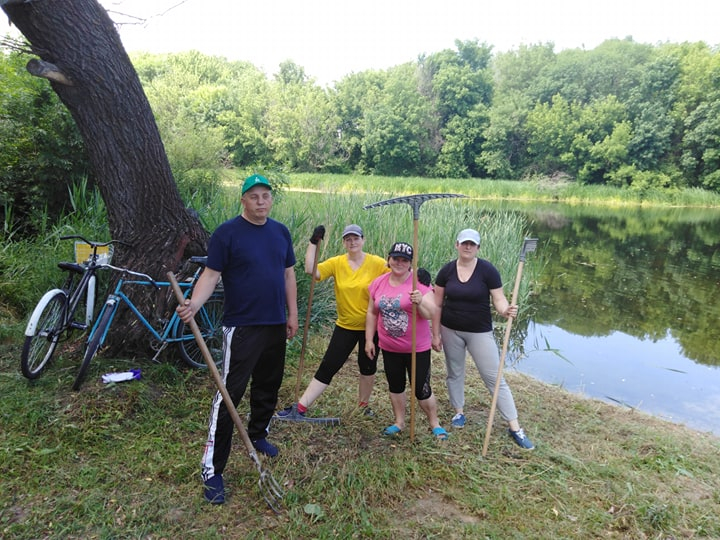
[(122, 461)]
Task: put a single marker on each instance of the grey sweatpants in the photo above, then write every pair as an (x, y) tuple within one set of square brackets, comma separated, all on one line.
[(484, 352)]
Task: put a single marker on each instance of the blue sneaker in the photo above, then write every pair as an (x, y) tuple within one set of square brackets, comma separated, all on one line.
[(458, 421), (215, 489), (290, 412), (264, 447), (521, 439)]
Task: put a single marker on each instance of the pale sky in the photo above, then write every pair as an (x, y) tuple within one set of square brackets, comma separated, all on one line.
[(332, 38)]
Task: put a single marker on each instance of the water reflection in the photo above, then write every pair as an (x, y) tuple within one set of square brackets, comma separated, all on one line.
[(629, 299)]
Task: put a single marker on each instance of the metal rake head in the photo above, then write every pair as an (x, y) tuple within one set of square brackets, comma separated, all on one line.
[(529, 246), (271, 491), (415, 201), (295, 416)]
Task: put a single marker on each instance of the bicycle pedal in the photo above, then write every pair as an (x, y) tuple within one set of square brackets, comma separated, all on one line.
[(78, 326)]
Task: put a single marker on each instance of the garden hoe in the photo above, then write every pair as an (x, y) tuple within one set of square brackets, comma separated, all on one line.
[(294, 415), (414, 201), (270, 489), (528, 246)]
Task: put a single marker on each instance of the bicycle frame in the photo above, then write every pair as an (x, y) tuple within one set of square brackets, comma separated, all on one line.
[(54, 316), (85, 287), (171, 330), (118, 297)]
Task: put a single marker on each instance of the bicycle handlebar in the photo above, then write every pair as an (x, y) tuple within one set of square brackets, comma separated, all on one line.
[(200, 260), (131, 272), (92, 243)]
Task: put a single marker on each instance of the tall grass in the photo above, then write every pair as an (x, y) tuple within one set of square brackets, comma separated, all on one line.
[(26, 276), (440, 220), (28, 266)]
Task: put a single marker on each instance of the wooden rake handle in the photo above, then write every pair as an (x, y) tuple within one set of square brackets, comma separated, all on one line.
[(506, 341), (301, 364), (216, 376), (413, 335), (529, 246)]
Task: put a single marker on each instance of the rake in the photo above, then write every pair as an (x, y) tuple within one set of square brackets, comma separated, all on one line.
[(294, 415), (269, 488), (415, 201), (529, 246)]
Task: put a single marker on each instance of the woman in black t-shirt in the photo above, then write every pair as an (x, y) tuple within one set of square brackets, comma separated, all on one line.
[(463, 323)]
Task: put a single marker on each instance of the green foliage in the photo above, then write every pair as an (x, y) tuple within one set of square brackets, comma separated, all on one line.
[(504, 153), (701, 145), (463, 138), (41, 154), (301, 125), (399, 126), (461, 84), (621, 113), (28, 265)]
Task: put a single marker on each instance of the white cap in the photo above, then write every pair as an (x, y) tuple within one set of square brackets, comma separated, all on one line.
[(469, 235)]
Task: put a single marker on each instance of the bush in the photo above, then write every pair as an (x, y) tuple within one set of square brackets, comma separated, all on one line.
[(42, 153)]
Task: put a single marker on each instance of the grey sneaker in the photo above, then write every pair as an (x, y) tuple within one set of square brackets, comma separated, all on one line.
[(458, 420), (521, 439)]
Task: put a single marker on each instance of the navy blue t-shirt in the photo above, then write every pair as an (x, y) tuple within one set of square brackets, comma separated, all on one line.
[(252, 260), (466, 306)]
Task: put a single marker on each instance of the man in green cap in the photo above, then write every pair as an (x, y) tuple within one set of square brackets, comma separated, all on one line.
[(254, 256)]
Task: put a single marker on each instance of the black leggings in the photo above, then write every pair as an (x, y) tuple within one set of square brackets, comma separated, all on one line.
[(341, 344), (397, 365)]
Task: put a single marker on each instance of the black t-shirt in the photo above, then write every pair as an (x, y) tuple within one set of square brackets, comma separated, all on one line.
[(466, 306)]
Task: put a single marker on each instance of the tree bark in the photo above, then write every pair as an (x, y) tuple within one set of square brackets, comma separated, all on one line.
[(83, 58)]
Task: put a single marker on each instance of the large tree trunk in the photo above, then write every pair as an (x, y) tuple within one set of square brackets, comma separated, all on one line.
[(81, 54)]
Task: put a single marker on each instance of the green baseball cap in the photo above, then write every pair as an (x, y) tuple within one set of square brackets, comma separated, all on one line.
[(255, 180)]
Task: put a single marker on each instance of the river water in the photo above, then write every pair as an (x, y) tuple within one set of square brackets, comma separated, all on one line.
[(628, 309)]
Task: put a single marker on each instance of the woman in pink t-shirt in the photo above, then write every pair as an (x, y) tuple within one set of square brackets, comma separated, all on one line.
[(390, 314)]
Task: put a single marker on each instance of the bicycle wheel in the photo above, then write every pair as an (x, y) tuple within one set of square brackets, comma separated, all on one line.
[(46, 324), (209, 320), (96, 340)]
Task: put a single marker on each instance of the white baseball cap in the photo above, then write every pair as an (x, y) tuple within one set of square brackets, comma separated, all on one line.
[(469, 235)]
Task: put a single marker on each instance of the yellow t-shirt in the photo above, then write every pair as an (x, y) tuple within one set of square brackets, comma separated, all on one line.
[(351, 287)]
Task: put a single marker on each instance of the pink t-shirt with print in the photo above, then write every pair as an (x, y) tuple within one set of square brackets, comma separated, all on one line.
[(395, 316)]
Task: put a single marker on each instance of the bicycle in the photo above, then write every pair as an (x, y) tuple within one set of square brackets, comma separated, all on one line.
[(164, 331), (54, 316)]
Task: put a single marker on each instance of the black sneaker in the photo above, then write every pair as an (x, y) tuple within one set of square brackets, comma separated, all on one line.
[(215, 489), (264, 447), (521, 439)]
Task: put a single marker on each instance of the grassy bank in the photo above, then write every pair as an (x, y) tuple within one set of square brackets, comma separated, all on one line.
[(542, 190), (122, 461)]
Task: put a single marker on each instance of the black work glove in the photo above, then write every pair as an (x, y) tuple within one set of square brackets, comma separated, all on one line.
[(424, 277), (318, 234)]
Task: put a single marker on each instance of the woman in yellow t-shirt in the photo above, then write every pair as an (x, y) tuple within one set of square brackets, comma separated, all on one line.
[(352, 272)]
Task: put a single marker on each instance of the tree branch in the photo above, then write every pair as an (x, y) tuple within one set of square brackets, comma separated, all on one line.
[(49, 71)]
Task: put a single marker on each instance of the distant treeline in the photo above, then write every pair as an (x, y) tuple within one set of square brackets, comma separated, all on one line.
[(623, 114)]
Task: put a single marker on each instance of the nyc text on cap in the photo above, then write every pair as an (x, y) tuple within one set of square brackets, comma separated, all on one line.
[(401, 249)]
